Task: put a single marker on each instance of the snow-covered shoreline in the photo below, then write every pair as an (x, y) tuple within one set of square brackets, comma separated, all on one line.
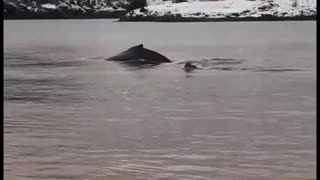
[(226, 10), (177, 18), (60, 11), (192, 11)]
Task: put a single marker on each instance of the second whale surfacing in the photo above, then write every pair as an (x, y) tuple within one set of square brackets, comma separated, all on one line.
[(139, 55)]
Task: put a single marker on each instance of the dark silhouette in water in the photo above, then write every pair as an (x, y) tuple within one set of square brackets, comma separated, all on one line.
[(188, 67), (138, 55)]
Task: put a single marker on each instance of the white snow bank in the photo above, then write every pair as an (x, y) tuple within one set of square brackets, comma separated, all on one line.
[(49, 6), (106, 9), (230, 8), (154, 2), (102, 8)]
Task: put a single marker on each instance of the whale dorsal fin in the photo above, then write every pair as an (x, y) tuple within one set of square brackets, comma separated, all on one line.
[(140, 46)]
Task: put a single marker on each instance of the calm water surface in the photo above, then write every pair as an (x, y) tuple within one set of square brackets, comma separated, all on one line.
[(68, 114)]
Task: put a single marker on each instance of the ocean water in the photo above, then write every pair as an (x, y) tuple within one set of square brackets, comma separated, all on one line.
[(248, 113)]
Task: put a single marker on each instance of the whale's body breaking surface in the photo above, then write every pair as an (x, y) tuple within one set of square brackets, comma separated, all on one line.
[(140, 55)]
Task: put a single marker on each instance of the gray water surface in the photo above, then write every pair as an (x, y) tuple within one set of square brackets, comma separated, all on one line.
[(250, 114)]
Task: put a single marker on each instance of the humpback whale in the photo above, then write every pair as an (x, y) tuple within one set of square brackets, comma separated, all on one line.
[(140, 55)]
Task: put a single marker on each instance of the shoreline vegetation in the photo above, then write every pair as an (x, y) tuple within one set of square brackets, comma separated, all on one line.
[(195, 11)]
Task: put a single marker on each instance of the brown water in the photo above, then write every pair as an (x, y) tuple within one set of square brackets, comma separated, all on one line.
[(250, 115)]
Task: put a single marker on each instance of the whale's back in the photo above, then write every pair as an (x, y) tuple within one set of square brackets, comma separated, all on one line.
[(154, 56), (139, 52)]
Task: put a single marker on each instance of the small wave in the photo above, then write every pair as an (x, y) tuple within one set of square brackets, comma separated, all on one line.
[(30, 62), (49, 176), (96, 58), (276, 69), (214, 61), (265, 69), (53, 64), (35, 60), (230, 64)]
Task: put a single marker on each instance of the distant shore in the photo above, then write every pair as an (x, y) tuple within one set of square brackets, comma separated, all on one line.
[(17, 11), (231, 10), (111, 15), (177, 18), (121, 18), (228, 10)]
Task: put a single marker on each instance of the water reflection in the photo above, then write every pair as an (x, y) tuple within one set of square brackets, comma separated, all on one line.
[(137, 65)]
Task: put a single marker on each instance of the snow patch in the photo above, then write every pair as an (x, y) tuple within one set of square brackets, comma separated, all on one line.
[(49, 6), (228, 8), (154, 2)]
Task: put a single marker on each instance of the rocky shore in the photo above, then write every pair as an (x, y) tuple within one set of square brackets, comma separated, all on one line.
[(166, 11), (227, 10), (61, 11), (179, 18)]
